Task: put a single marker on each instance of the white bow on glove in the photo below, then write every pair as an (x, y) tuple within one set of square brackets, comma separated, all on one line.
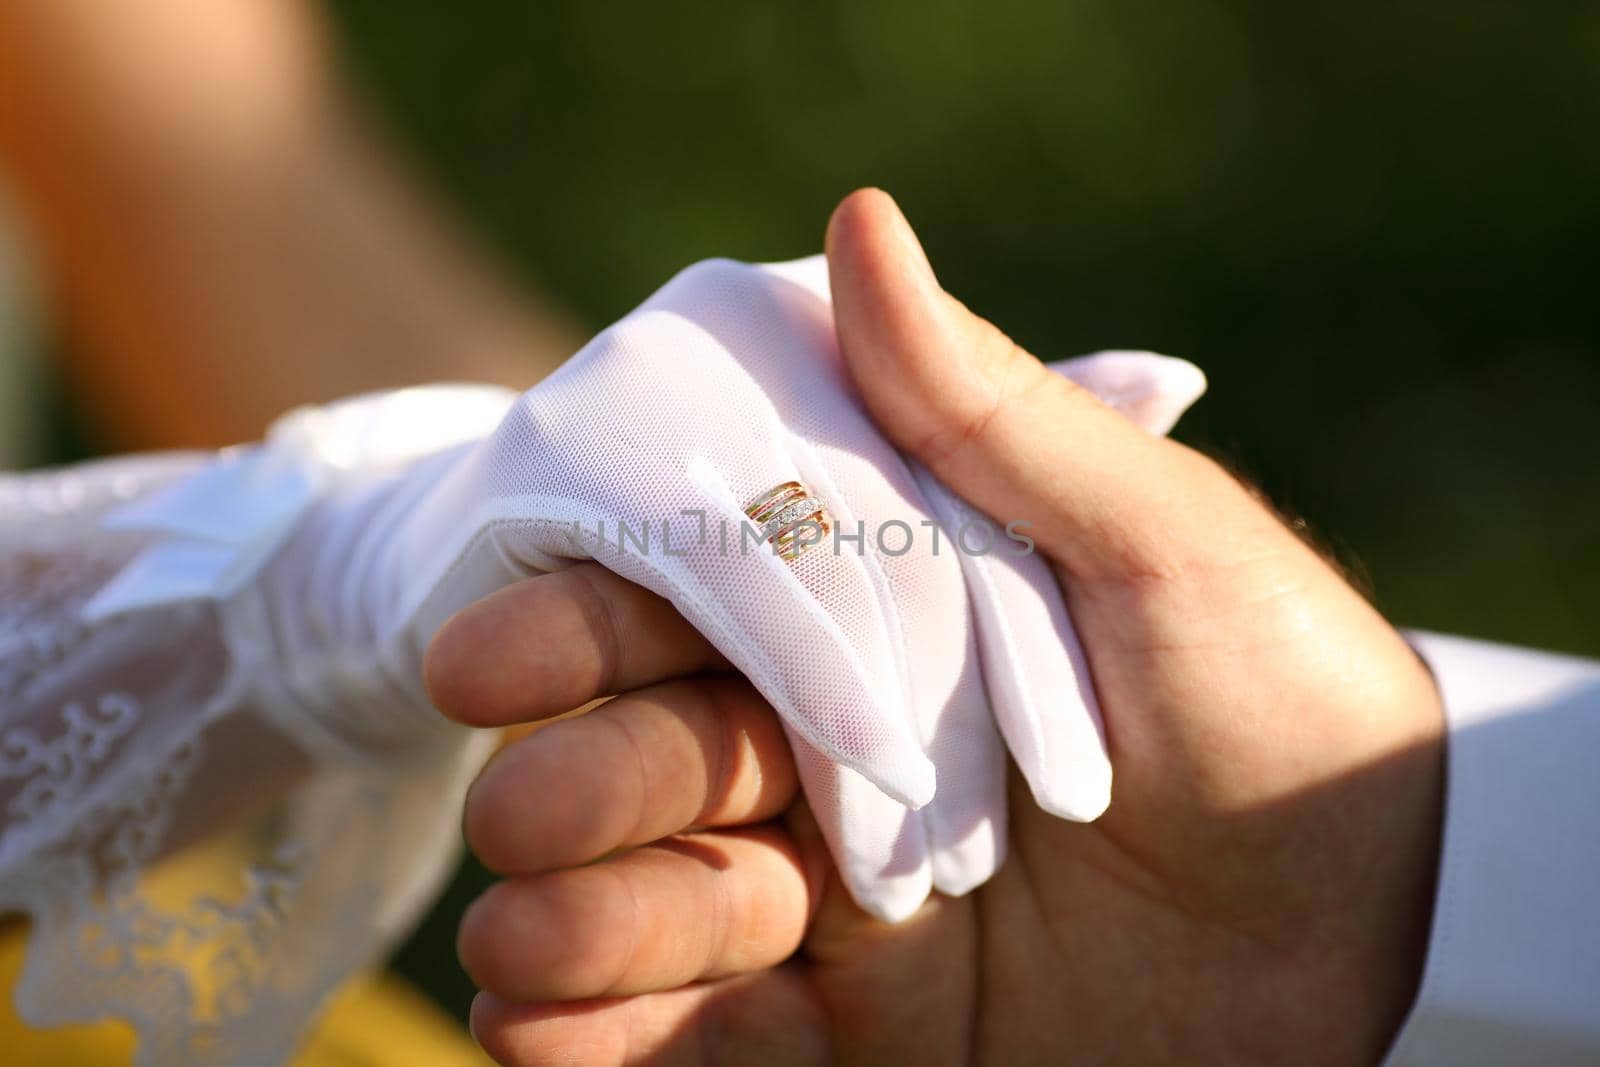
[(893, 646)]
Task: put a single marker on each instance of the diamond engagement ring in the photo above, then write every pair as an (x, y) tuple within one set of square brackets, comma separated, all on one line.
[(790, 518)]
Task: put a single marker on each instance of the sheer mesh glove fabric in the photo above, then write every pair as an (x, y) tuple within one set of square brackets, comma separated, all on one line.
[(904, 652)]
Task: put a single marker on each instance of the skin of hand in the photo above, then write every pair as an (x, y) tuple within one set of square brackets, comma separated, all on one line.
[(1260, 890)]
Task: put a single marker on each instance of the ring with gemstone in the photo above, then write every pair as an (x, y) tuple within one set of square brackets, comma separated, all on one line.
[(784, 513)]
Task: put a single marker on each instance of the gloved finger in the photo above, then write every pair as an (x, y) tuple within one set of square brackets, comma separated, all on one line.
[(739, 366), (922, 596), (809, 634), (554, 642), (1151, 390), (879, 846), (704, 752), (1037, 676), (1033, 666), (1035, 669), (966, 821)]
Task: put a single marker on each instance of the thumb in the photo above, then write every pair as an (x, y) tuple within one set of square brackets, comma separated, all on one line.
[(1018, 442)]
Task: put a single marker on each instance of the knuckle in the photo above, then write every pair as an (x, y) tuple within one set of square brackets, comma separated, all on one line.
[(590, 588), (478, 817), (722, 922), (445, 677), (720, 746), (630, 789), (477, 939), (1005, 373), (621, 912)]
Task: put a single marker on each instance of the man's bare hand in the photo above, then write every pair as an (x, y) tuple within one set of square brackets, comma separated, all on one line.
[(1259, 891)]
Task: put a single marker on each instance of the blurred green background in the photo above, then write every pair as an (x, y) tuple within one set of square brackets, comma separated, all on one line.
[(1374, 225)]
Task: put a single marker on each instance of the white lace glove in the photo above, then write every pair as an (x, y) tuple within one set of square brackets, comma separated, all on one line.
[(125, 740), (891, 654)]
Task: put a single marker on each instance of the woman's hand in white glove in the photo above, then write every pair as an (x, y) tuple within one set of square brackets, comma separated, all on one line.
[(1259, 890), (892, 650)]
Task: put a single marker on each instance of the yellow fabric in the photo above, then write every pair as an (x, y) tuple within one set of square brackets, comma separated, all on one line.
[(374, 1021), (380, 1021)]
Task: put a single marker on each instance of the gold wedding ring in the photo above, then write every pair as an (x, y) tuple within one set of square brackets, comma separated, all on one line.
[(791, 519)]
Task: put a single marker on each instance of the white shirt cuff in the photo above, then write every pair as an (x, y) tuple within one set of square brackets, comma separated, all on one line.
[(1513, 969)]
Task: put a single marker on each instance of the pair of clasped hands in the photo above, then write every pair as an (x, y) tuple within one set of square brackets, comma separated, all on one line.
[(1259, 890)]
